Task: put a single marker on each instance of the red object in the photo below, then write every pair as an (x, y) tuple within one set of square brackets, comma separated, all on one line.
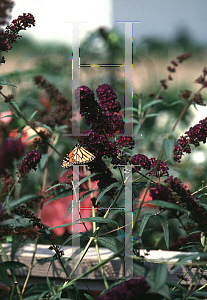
[(54, 213)]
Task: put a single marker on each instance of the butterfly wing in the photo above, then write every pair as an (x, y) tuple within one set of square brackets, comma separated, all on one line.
[(77, 156)]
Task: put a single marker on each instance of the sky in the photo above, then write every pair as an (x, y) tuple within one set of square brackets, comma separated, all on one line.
[(159, 18), (53, 17)]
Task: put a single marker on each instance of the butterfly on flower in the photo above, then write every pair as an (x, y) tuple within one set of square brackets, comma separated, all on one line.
[(77, 156)]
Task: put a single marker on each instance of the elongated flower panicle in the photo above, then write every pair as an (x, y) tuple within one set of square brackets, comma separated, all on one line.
[(194, 136), (106, 122), (175, 192), (133, 288), (142, 161), (30, 161), (12, 30)]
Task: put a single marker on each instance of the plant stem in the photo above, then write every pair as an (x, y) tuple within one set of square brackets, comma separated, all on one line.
[(95, 233), (12, 273), (68, 283), (96, 241)]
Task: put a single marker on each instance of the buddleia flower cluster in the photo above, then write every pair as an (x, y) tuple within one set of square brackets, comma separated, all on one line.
[(105, 120), (134, 288), (30, 161)]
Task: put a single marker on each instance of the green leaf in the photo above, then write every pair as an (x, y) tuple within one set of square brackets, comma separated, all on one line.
[(168, 145), (86, 178), (63, 225), (160, 276), (61, 194), (164, 291), (134, 109), (49, 284), (203, 240), (15, 245), (43, 160), (59, 184), (34, 297), (173, 103), (4, 277), (136, 128), (37, 288), (199, 293), (88, 296), (164, 224), (81, 199), (12, 265), (92, 219), (151, 103), (182, 259), (61, 128), (140, 269), (43, 294), (73, 236), (10, 116), (45, 260), (9, 84), (86, 195), (47, 127), (151, 116), (57, 296), (20, 201), (143, 222), (33, 115), (165, 204), (106, 190), (69, 210), (111, 243), (99, 220), (16, 106), (31, 137)]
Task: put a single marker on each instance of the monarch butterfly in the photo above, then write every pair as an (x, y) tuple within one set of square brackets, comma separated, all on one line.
[(77, 156)]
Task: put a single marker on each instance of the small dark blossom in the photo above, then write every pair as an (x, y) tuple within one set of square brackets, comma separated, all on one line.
[(140, 161), (174, 63), (163, 83), (126, 141), (171, 69), (133, 288), (10, 149), (30, 161), (107, 98), (200, 80), (3, 60), (8, 98), (183, 57), (169, 77), (185, 94), (198, 99), (161, 169)]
